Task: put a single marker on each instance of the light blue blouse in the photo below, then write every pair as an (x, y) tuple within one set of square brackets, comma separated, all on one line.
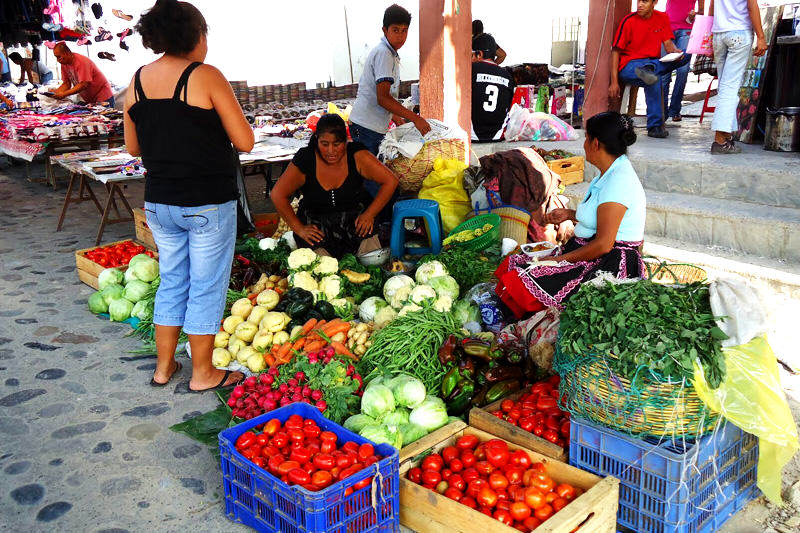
[(621, 185)]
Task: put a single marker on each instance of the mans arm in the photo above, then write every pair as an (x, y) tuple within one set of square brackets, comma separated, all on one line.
[(388, 102), (755, 20), (670, 47), (500, 55), (63, 93), (613, 88)]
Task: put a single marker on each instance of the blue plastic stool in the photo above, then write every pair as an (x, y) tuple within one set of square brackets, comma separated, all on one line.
[(427, 209)]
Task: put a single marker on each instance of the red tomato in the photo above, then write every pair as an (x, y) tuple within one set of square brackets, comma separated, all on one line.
[(262, 440), (327, 446), (544, 512), (514, 475), (485, 510), (414, 475), (526, 423), (514, 413), (298, 476), (433, 462), (457, 482), (521, 459), (487, 497), (365, 451), (497, 452), (484, 467), (274, 463), (269, 450), (246, 440), (564, 429), (503, 503), (534, 498), (497, 481), (349, 446), (449, 453), (545, 402), (259, 462), (456, 465), (294, 422), (301, 455), (550, 497), (453, 494), (349, 471), (480, 452), (531, 523), (325, 461), (565, 491), (551, 435), (538, 467), (328, 436), (344, 461), (467, 442), (321, 478), (507, 405), (553, 422), (280, 439), (296, 435), (272, 427), (311, 431), (286, 466), (363, 483), (503, 516), (431, 477), (446, 473), (474, 487), (469, 474), (468, 458), (543, 482), (469, 502), (558, 504), (520, 511)]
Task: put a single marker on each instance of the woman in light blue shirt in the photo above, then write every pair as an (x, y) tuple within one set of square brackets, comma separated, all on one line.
[(609, 226)]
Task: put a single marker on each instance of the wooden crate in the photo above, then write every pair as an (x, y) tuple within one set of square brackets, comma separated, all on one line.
[(570, 169), (143, 233), (88, 270), (482, 418), (425, 443), (424, 510)]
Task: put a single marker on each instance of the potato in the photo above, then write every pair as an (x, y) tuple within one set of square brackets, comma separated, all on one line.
[(221, 339), (339, 337), (230, 323)]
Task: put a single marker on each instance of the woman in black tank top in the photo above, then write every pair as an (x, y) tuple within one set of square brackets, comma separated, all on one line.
[(336, 212), (182, 117)]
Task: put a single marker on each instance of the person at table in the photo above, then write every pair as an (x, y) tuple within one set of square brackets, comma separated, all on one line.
[(28, 66), (181, 116), (81, 76), (608, 233), (336, 212), (492, 91)]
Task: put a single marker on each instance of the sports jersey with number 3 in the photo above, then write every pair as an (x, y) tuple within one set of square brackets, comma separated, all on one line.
[(492, 92)]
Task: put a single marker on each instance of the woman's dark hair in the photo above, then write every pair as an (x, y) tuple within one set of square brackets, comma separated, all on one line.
[(330, 123), (395, 14), (172, 27), (477, 27), (613, 130), (15, 57)]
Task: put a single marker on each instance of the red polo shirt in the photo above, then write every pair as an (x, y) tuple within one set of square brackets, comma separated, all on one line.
[(640, 38)]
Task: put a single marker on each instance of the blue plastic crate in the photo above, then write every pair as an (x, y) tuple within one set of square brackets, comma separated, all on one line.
[(673, 486), (256, 498)]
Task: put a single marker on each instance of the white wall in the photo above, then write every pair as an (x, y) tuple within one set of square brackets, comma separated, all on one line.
[(275, 41)]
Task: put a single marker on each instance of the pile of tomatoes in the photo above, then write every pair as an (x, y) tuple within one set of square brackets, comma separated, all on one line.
[(300, 453), (115, 255), (537, 412), (495, 480)]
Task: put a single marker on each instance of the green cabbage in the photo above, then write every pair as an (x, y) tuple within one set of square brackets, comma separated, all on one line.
[(143, 310), (369, 307), (377, 400), (109, 276), (358, 422), (120, 309), (411, 432), (129, 276), (407, 390), (444, 286), (464, 311), (135, 290), (396, 418), (136, 259), (145, 271), (96, 303), (383, 435), (112, 292), (431, 414)]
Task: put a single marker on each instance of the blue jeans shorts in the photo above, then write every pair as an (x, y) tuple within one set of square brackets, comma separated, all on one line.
[(195, 250)]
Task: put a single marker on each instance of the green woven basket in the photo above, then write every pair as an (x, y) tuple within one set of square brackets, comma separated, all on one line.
[(485, 240)]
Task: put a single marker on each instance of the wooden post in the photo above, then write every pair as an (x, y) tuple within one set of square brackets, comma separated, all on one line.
[(604, 18), (445, 60)]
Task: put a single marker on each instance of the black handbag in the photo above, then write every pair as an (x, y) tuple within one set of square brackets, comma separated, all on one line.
[(704, 65)]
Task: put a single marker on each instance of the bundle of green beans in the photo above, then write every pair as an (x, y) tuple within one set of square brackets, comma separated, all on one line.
[(410, 344)]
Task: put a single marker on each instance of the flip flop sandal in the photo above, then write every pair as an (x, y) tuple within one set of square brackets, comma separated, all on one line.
[(219, 386), (124, 33), (119, 14), (154, 383), (83, 41), (103, 35), (106, 55)]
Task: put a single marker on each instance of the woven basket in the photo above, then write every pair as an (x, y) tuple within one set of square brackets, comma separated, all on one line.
[(602, 395), (484, 241), (672, 273), (513, 222), (412, 172)]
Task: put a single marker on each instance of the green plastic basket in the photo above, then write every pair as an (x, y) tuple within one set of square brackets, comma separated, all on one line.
[(485, 240)]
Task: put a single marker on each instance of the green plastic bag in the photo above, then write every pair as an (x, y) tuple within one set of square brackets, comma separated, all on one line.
[(751, 397)]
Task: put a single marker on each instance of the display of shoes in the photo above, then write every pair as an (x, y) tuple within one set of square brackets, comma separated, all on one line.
[(97, 10), (119, 14), (103, 35), (106, 55), (83, 41)]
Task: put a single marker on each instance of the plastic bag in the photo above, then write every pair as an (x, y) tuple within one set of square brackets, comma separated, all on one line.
[(751, 397), (446, 186), (523, 125), (736, 299)]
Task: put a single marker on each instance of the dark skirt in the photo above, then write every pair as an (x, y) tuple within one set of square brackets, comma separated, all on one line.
[(339, 228), (525, 287)]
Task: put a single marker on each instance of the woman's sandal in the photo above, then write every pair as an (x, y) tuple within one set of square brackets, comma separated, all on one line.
[(220, 385), (154, 383)]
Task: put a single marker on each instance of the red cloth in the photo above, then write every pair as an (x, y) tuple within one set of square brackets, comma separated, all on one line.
[(84, 69), (677, 11), (522, 302), (640, 38)]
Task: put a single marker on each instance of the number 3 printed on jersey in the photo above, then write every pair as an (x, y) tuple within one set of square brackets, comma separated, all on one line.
[(491, 98)]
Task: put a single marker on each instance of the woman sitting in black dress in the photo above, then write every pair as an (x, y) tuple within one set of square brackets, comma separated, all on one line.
[(336, 212)]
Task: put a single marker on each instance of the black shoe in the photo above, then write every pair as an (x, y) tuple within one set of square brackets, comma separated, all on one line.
[(646, 75), (659, 132)]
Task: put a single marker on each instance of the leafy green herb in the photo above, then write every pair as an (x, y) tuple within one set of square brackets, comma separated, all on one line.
[(337, 387)]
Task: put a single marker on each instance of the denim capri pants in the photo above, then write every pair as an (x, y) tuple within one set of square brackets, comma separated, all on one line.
[(195, 250)]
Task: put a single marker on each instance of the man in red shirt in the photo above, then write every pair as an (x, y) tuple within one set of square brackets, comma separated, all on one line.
[(81, 76), (635, 59)]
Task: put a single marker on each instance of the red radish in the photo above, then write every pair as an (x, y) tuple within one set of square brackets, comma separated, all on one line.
[(238, 392), (250, 382), (316, 395), (300, 376), (292, 382), (321, 405), (231, 401)]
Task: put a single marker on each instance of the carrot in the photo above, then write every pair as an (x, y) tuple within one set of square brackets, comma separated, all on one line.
[(284, 349), (339, 327), (314, 346), (308, 326), (252, 297), (299, 343), (269, 360), (341, 349), (278, 290)]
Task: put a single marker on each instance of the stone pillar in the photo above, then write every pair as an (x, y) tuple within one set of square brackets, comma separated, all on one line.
[(604, 18), (445, 60)]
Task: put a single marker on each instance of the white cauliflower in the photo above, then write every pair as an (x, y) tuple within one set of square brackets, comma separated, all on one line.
[(421, 293), (331, 286), (430, 270), (304, 280), (384, 315), (408, 308), (302, 259), (443, 304), (339, 302), (326, 266), (400, 296)]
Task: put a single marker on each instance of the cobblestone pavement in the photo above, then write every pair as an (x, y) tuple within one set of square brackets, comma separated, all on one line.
[(84, 440)]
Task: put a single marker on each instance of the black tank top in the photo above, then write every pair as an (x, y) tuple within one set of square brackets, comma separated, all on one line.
[(187, 153), (349, 196)]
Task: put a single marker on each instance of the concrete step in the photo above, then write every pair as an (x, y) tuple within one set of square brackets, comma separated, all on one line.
[(741, 227)]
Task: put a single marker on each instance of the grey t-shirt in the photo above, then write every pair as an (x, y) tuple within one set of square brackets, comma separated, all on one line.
[(383, 64)]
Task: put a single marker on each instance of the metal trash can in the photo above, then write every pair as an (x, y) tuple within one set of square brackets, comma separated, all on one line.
[(783, 130)]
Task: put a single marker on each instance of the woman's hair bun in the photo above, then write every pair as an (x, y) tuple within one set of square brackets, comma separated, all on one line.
[(614, 131), (171, 26), (627, 134)]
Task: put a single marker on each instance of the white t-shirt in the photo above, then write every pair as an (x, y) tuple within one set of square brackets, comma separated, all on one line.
[(731, 15)]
